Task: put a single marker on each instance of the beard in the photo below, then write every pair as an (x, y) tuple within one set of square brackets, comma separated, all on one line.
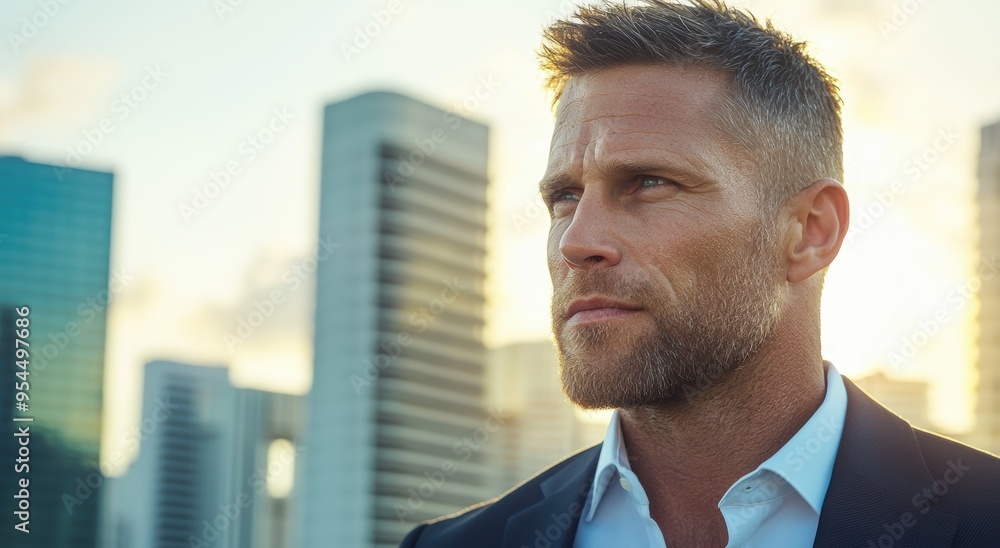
[(677, 347)]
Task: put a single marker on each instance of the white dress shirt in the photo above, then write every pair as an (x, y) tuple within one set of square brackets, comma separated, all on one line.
[(778, 504)]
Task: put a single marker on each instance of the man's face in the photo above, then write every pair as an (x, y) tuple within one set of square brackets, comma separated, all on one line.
[(664, 274)]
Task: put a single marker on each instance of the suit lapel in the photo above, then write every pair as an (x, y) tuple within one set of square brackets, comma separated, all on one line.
[(877, 477), (551, 520), (878, 473)]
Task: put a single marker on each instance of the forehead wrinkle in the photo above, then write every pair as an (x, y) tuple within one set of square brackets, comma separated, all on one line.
[(684, 168), (624, 157), (561, 173), (657, 152), (612, 116)]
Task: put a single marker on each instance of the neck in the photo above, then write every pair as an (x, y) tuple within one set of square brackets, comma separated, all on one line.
[(687, 453)]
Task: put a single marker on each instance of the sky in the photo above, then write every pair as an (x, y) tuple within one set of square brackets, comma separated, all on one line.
[(173, 96)]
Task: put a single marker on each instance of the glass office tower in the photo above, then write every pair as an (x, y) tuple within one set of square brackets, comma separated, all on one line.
[(397, 394), (55, 241)]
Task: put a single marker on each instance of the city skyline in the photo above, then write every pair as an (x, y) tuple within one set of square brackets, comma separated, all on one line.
[(177, 123)]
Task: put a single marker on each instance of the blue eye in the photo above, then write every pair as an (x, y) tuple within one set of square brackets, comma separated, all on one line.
[(562, 194), (657, 181)]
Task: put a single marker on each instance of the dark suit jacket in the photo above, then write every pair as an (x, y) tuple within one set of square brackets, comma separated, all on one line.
[(892, 486)]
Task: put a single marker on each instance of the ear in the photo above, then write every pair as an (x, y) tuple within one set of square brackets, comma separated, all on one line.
[(819, 215)]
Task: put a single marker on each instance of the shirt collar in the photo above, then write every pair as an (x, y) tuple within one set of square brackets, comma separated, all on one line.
[(612, 459), (805, 461)]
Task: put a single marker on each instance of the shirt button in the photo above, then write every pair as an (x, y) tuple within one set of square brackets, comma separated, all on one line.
[(626, 484)]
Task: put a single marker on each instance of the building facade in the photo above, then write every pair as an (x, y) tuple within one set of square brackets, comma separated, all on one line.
[(55, 246), (397, 428), (215, 464), (987, 433), (541, 426)]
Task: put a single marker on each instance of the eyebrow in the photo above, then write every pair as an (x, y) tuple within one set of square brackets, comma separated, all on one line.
[(620, 167), (550, 184)]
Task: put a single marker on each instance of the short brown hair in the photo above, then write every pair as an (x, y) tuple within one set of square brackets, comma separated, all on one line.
[(783, 108)]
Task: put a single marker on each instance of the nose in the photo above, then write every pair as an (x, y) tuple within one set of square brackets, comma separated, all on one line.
[(588, 241)]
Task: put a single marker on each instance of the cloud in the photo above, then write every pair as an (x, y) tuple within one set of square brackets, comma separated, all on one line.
[(54, 95), (275, 305)]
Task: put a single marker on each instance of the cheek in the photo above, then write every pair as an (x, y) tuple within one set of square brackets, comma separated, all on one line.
[(672, 258), (653, 241), (555, 258), (555, 261)]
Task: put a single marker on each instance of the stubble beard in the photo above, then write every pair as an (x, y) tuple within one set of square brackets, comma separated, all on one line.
[(675, 347)]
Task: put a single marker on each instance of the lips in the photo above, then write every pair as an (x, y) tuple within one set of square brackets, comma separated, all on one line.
[(594, 305)]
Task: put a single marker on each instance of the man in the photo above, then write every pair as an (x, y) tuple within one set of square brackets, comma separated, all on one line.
[(695, 206)]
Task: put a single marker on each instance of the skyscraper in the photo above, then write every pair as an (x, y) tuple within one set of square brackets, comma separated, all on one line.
[(268, 445), (397, 429), (214, 468), (541, 426), (988, 366), (180, 478), (55, 245)]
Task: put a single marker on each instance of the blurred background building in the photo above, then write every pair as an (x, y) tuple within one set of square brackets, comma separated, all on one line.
[(541, 427), (55, 242), (215, 467), (186, 436), (399, 356), (987, 432)]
